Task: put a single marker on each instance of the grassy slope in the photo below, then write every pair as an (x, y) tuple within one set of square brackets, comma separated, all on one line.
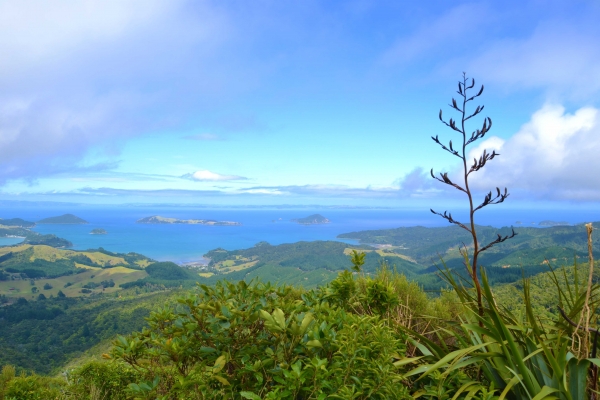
[(103, 267)]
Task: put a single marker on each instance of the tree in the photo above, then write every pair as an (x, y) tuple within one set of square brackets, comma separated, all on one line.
[(47, 286), (60, 294), (460, 126)]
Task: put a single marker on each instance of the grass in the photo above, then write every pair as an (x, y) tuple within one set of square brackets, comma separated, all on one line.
[(22, 288)]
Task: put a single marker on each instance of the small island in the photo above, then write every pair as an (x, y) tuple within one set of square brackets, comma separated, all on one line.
[(64, 219), (314, 219), (157, 219), (98, 231)]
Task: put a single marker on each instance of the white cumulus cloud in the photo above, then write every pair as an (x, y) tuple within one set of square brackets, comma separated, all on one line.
[(553, 156)]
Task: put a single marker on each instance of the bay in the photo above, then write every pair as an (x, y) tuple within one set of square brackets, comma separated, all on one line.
[(183, 243)]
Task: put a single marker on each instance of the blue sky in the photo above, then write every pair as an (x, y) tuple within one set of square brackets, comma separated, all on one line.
[(293, 102)]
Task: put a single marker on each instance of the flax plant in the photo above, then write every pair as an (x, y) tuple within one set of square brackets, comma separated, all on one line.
[(459, 126)]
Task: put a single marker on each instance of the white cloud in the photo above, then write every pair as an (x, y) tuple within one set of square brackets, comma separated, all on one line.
[(553, 156), (419, 184), (274, 192), (209, 176), (78, 75)]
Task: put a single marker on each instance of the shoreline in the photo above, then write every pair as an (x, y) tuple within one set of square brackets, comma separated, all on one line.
[(203, 262)]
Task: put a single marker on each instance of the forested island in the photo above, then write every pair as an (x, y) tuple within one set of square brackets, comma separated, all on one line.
[(314, 219), (157, 219), (98, 231), (63, 219)]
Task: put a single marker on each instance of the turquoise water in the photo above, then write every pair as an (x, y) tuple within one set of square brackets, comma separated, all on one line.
[(185, 243)]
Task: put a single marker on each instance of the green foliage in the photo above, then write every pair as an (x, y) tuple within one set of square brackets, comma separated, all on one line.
[(358, 260), (521, 355), (43, 336), (100, 380), (168, 271), (262, 341), (34, 388), (308, 264), (21, 262)]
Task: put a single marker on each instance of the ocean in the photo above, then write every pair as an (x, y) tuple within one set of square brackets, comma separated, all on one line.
[(188, 243)]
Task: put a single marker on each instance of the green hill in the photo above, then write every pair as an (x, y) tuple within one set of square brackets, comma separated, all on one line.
[(63, 219)]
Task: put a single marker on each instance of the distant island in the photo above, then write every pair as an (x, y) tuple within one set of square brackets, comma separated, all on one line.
[(98, 231), (157, 219), (64, 219), (554, 223), (314, 219)]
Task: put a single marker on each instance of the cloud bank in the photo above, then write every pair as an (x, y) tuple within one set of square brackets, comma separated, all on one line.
[(209, 176), (554, 156)]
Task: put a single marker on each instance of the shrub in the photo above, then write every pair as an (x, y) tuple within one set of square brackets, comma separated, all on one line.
[(104, 380), (262, 341)]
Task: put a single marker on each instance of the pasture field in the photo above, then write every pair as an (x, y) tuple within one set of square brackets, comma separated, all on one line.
[(71, 285)]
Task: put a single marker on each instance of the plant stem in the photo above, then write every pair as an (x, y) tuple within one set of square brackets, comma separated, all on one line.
[(471, 208)]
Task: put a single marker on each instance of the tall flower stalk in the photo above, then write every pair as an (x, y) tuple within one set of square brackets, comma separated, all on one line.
[(459, 126)]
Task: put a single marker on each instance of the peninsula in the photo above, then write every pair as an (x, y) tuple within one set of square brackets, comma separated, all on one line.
[(63, 219), (17, 222), (314, 219), (157, 219)]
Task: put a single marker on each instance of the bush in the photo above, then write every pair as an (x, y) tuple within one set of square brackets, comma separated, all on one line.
[(167, 271), (34, 387), (263, 341), (104, 380)]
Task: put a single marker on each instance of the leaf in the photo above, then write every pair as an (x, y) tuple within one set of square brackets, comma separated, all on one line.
[(279, 318), (405, 361), (250, 395), (204, 349), (308, 318), (314, 343), (219, 364), (546, 390), (222, 380), (225, 311), (578, 371)]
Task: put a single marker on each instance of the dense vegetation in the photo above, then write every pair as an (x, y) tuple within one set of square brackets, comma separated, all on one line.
[(43, 336), (357, 337), (303, 263), (528, 253)]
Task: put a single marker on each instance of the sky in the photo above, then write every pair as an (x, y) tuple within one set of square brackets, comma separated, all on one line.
[(236, 103)]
